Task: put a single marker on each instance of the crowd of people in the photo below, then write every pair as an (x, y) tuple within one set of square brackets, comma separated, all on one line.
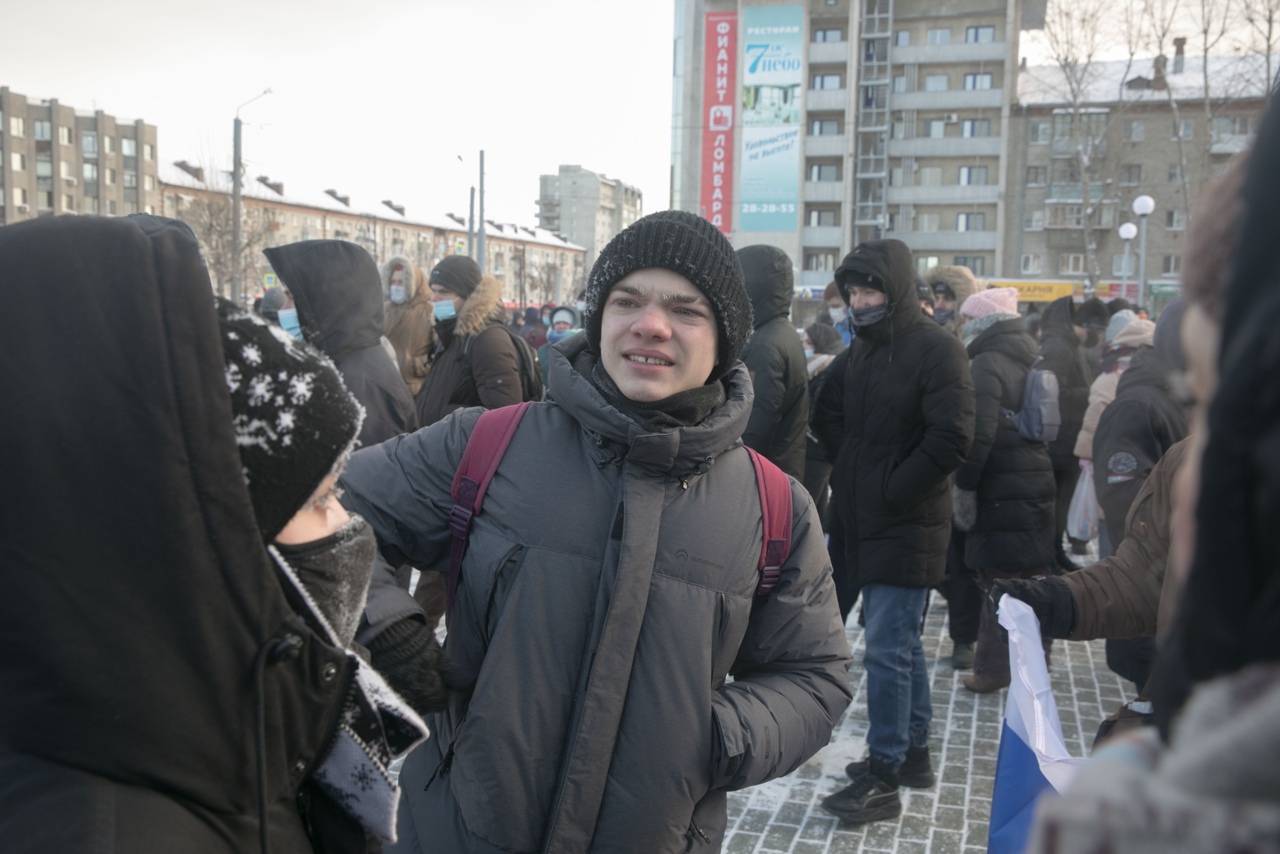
[(231, 538)]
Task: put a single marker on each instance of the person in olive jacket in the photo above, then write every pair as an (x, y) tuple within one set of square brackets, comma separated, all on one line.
[(774, 355), (897, 417)]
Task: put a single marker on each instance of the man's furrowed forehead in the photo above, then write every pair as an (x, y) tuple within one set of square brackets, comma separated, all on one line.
[(669, 290)]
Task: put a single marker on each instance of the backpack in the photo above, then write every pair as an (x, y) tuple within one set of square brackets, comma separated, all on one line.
[(487, 444), (531, 387), (1040, 416)]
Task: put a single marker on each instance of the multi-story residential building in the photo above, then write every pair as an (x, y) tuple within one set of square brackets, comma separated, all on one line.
[(814, 126), (533, 264), (586, 207), (1084, 147), (55, 159)]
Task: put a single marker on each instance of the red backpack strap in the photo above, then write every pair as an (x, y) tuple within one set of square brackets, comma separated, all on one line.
[(485, 448), (775, 508)]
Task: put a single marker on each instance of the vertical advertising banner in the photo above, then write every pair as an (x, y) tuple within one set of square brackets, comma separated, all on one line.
[(720, 64), (772, 76)]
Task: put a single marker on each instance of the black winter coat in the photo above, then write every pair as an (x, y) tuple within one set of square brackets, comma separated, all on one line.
[(1064, 355), (896, 415), (1013, 477), (1144, 421), (775, 357), (339, 296)]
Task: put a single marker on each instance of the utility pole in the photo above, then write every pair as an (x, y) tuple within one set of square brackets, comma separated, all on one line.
[(480, 239), (237, 167), (471, 227)]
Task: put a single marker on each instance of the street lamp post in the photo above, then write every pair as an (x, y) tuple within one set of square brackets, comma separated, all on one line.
[(1142, 208), (236, 168), (1128, 231)]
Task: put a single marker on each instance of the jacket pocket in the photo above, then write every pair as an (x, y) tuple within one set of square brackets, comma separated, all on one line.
[(503, 580)]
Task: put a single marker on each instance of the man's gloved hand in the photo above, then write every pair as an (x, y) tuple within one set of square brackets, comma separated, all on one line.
[(409, 657), (1050, 599), (964, 508)]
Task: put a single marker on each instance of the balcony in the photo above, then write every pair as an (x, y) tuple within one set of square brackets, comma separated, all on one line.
[(946, 194), (818, 236), (826, 99), (824, 191), (1229, 143), (825, 146), (986, 146), (828, 52), (1075, 192), (1067, 147), (948, 241), (950, 100), (929, 54)]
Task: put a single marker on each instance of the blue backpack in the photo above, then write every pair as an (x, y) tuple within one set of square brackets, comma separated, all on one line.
[(1040, 417)]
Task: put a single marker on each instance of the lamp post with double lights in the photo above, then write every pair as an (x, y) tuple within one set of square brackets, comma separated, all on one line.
[(1142, 208), (1128, 231)]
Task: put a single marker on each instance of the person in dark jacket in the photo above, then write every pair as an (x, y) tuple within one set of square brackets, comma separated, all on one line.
[(822, 347), (593, 636), (338, 294), (475, 361), (1005, 489), (182, 645), (534, 331), (566, 320), (774, 356), (897, 416), (1061, 346)]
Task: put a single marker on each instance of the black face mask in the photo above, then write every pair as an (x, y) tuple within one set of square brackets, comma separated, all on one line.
[(335, 570), (943, 317), (1091, 338), (870, 315)]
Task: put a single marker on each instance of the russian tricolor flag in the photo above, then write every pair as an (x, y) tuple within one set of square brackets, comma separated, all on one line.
[(1033, 760)]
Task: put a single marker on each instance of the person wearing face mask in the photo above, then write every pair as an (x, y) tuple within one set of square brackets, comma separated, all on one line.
[(836, 314), (565, 321), (951, 285), (408, 322), (187, 679), (897, 416)]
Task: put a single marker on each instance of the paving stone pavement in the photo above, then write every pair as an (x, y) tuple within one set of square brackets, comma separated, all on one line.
[(785, 815)]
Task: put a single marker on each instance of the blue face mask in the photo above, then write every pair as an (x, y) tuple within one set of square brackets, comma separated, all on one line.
[(555, 336), (288, 318), (546, 321), (808, 352), (445, 309), (944, 317), (397, 294)]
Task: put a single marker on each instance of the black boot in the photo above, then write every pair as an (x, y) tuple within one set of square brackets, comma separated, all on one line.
[(916, 771), (872, 796)]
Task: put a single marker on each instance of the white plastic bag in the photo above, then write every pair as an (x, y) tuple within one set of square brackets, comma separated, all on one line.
[(1082, 518)]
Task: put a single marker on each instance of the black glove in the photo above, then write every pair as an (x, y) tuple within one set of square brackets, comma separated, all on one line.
[(1049, 598), (409, 657)]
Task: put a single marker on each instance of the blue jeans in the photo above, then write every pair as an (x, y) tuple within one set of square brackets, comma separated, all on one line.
[(898, 701)]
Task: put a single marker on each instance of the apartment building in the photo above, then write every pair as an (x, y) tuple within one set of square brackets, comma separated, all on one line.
[(587, 208), (55, 159)]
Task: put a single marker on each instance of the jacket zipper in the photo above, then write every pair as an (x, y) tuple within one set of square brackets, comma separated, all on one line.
[(447, 762), (701, 834)]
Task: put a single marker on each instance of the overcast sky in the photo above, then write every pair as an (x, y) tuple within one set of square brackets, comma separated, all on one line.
[(375, 98)]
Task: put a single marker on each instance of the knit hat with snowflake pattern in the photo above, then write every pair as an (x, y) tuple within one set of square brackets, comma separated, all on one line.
[(294, 419)]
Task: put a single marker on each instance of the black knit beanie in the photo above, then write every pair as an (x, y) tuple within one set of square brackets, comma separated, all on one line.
[(293, 417), (456, 273), (687, 244)]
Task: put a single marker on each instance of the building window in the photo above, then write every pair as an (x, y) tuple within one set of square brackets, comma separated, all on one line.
[(91, 204), (64, 169), (979, 35), (824, 172), (42, 130), (148, 151), (108, 145), (44, 200), (971, 222), (976, 263), (974, 82), (111, 176), (935, 83), (830, 35), (1184, 129), (148, 209), (90, 172), (130, 207), (1231, 126), (827, 81), (822, 260), (893, 222), (19, 196), (1131, 174), (928, 222), (69, 202), (1070, 264), (111, 207), (128, 147), (900, 83), (149, 183), (1123, 266), (975, 127), (1175, 173), (64, 135), (89, 144), (931, 176), (824, 217), (1037, 176), (824, 127), (44, 169), (1172, 265), (1039, 133), (19, 161), (1135, 130), (1030, 265), (926, 263), (895, 177), (17, 126), (1175, 220), (973, 176), (130, 180), (1066, 216), (939, 37), (935, 129), (901, 38)]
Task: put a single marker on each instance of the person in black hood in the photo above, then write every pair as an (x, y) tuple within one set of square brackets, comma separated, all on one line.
[(338, 292), (897, 417), (774, 355)]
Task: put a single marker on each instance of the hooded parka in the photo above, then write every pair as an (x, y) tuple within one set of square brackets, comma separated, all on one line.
[(962, 284), (335, 286), (593, 635), (774, 355), (475, 361), (408, 325), (897, 417), (1064, 355), (1012, 477)]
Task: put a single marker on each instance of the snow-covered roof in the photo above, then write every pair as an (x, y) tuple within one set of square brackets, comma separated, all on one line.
[(1230, 77), (219, 180)]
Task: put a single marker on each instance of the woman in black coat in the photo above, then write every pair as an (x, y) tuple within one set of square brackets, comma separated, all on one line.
[(1005, 488)]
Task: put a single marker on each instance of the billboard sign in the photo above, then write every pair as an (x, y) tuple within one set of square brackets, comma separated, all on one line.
[(772, 77), (720, 64)]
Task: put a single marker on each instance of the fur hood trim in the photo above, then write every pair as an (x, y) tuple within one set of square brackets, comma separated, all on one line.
[(959, 279), (481, 309), (414, 279)]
